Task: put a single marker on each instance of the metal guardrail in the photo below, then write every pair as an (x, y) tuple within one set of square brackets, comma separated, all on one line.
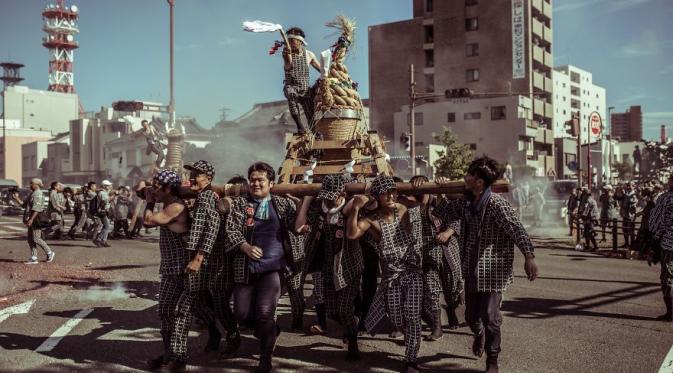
[(616, 225)]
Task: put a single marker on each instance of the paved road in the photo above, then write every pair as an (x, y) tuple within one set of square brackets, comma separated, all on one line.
[(94, 309)]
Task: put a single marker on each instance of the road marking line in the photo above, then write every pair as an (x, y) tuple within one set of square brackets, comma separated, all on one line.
[(667, 365), (16, 309), (62, 331), (10, 222), (17, 229)]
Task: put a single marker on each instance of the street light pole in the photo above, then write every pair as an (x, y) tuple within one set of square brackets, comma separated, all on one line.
[(610, 142), (171, 105), (4, 135), (412, 119)]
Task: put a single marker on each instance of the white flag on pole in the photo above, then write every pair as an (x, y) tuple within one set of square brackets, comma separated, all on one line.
[(261, 26)]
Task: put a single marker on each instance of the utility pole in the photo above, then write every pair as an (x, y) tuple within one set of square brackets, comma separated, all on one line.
[(412, 118), (589, 168), (171, 104), (576, 121), (610, 143)]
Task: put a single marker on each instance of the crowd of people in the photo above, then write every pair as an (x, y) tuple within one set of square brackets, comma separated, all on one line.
[(626, 207), (374, 257), (246, 250), (99, 214)]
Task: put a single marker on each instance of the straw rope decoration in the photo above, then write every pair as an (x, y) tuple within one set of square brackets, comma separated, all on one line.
[(339, 91)]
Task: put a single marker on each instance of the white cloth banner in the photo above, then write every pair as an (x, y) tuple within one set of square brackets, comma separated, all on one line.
[(261, 26), (326, 61)]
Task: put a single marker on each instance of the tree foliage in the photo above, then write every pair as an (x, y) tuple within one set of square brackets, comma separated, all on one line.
[(454, 159)]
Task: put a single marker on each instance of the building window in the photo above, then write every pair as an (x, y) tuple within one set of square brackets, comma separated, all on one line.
[(419, 143), (429, 34), (472, 49), (429, 58), (498, 113), (429, 82), (473, 147), (471, 2), (472, 75), (451, 117), (470, 116), (429, 6), (471, 24)]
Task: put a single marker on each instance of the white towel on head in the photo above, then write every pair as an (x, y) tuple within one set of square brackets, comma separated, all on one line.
[(261, 26)]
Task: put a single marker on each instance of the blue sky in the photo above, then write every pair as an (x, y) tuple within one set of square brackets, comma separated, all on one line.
[(626, 44)]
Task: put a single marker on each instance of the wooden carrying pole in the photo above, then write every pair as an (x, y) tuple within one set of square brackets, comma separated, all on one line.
[(454, 188)]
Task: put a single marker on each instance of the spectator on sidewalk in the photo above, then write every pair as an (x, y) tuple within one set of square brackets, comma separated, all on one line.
[(573, 203), (609, 210), (537, 201), (589, 217)]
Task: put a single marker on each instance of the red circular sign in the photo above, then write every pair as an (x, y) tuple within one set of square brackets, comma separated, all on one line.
[(595, 123)]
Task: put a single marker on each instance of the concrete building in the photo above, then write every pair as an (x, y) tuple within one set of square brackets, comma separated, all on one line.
[(42, 160), (502, 128), (487, 46), (574, 91), (41, 110), (88, 158), (11, 168), (627, 126), (126, 161)]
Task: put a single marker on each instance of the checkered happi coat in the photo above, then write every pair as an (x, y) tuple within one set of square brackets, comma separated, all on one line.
[(239, 231), (343, 259), (501, 229), (205, 222), (661, 221)]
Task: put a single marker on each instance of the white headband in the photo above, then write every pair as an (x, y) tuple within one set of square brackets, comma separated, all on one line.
[(298, 37)]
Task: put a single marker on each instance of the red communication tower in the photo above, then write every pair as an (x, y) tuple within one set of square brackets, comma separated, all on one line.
[(61, 27)]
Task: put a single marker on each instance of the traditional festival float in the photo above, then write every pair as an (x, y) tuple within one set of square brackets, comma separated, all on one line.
[(339, 139)]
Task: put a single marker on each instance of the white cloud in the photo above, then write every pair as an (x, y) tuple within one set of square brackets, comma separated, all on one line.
[(666, 70), (656, 115), (192, 46), (649, 44), (634, 98), (227, 40)]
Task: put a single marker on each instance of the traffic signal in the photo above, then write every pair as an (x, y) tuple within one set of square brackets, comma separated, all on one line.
[(405, 139), (458, 93), (572, 126), (128, 106)]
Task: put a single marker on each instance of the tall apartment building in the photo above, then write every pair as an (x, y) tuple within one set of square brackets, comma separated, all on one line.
[(627, 126), (574, 91), (489, 46)]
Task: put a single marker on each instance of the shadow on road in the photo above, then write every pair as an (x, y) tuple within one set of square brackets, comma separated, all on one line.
[(538, 308)]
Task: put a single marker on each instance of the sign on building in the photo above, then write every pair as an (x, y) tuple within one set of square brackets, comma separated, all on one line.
[(596, 124), (518, 40)]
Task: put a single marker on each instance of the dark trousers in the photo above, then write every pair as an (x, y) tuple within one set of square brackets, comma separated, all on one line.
[(255, 306), (221, 289), (482, 312), (369, 281), (154, 148), (628, 228), (122, 224)]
